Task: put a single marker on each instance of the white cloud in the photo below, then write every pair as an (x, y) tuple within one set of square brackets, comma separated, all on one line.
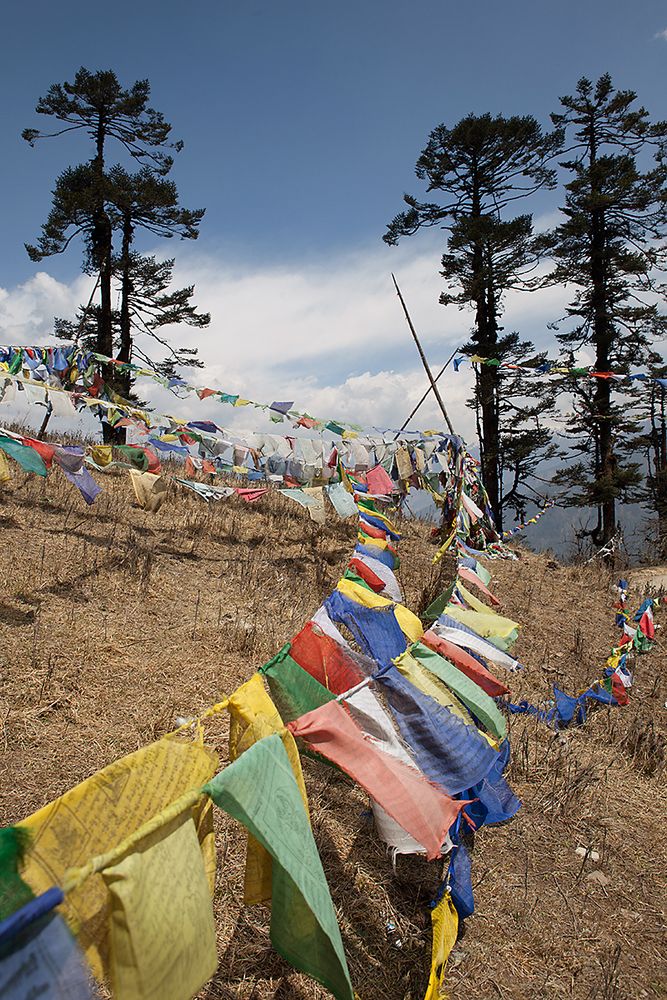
[(330, 335), (661, 34)]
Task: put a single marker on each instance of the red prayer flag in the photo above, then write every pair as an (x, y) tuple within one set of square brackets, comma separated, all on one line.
[(378, 481), (44, 450), (466, 663), (325, 659), (471, 577), (367, 575)]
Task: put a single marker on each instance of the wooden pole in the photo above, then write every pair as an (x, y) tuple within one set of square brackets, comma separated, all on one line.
[(436, 391), (424, 397)]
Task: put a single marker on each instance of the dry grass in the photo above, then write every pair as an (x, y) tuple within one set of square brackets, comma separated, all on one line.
[(114, 622)]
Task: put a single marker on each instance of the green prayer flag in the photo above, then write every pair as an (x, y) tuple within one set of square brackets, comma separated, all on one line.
[(29, 459), (435, 609), (293, 690), (260, 791), (477, 701), (482, 573), (137, 457)]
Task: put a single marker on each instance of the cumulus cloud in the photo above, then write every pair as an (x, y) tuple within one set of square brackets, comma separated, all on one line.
[(661, 34), (328, 334)]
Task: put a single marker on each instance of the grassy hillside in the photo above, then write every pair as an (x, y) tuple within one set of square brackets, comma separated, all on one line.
[(114, 622)]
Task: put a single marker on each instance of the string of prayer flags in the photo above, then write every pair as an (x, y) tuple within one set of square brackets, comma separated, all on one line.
[(424, 811), (95, 816), (259, 790)]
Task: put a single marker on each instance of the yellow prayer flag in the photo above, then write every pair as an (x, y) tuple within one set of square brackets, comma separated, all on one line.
[(252, 717), (101, 454), (161, 928), (445, 925), (149, 489), (95, 816)]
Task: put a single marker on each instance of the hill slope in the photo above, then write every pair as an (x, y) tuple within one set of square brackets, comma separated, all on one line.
[(114, 622)]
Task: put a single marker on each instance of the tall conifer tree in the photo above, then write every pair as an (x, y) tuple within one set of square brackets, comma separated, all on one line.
[(482, 165), (611, 248)]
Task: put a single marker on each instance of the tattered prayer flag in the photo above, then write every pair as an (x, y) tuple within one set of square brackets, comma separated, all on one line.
[(416, 805), (466, 663), (259, 790), (316, 510), (376, 630), (162, 932), (445, 925), (252, 717), (451, 754), (95, 816), (28, 458)]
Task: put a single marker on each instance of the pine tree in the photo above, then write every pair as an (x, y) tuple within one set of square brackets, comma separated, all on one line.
[(483, 164), (611, 249), (93, 201), (96, 104)]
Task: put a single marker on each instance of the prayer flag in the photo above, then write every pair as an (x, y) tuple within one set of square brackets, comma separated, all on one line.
[(416, 805), (162, 932), (259, 790), (97, 815)]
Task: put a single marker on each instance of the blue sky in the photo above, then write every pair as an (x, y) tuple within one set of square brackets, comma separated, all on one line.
[(302, 122)]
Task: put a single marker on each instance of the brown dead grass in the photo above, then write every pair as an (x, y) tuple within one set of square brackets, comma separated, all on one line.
[(114, 622)]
